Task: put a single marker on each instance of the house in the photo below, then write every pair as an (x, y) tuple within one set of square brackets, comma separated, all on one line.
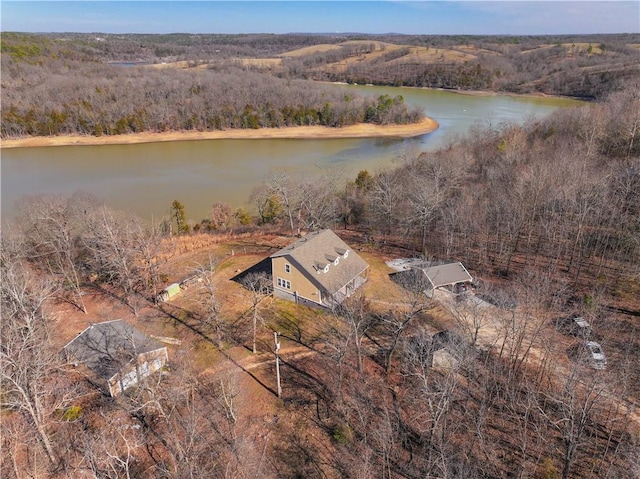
[(118, 355), (429, 276), (319, 268)]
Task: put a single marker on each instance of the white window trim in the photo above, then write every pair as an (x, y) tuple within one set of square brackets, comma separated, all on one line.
[(287, 268), (284, 283)]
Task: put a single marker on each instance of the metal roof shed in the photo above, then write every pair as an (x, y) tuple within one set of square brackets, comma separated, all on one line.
[(447, 274)]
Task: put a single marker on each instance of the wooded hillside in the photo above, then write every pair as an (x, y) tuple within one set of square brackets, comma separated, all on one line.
[(56, 84), (545, 215)]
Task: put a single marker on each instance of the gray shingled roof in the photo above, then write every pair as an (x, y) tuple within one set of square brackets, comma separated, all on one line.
[(447, 274), (107, 347), (314, 251)]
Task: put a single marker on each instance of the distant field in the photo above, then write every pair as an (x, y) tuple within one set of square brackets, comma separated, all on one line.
[(472, 50), (378, 45), (416, 55), (573, 48), (310, 50), (262, 62), (266, 63), (424, 55), (437, 55)]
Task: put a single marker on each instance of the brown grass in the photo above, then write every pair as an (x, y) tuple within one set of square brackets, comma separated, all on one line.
[(304, 332), (379, 284), (267, 63), (378, 46), (310, 50), (573, 48), (423, 55), (472, 50), (436, 55)]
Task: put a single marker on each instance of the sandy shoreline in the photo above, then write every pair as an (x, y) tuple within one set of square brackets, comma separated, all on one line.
[(361, 130)]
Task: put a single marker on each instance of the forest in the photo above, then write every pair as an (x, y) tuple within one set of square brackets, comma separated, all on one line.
[(95, 84), (546, 214)]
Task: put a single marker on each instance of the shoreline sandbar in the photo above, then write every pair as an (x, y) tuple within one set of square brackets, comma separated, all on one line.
[(360, 130)]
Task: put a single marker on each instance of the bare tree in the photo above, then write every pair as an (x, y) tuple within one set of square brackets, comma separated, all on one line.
[(52, 226), (399, 319), (259, 285), (354, 311), (267, 204), (115, 451), (221, 216), (147, 242), (427, 185), (577, 401), (287, 191), (385, 195), (123, 253), (319, 202), (211, 320), (28, 364), (431, 391), (196, 435), (471, 316)]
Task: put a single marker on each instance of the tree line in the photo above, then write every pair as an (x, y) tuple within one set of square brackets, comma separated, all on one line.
[(559, 193), (552, 205), (560, 190), (90, 99), (564, 66), (56, 84)]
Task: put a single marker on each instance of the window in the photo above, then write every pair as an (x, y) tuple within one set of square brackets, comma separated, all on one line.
[(283, 283), (287, 268), (346, 253), (336, 261)]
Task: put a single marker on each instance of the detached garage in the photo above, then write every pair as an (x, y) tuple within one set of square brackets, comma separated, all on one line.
[(117, 355), (429, 276)]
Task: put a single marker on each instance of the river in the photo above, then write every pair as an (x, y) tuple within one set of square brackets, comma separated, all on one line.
[(145, 178)]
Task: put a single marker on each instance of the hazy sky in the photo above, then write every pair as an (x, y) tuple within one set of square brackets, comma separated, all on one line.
[(383, 16)]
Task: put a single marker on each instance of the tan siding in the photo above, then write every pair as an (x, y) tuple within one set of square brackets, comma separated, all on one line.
[(299, 282)]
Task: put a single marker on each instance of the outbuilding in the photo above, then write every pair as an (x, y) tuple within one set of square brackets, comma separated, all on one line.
[(428, 276), (117, 355), (170, 292)]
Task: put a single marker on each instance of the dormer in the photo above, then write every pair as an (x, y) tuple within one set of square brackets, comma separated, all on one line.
[(330, 257), (321, 267)]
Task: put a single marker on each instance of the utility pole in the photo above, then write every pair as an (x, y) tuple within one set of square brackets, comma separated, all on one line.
[(275, 337)]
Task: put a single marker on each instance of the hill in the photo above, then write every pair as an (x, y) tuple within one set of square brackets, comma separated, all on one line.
[(365, 392)]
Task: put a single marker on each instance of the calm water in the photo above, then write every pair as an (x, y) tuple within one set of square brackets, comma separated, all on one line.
[(146, 178)]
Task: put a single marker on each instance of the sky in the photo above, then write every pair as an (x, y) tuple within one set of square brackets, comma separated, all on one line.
[(475, 17)]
